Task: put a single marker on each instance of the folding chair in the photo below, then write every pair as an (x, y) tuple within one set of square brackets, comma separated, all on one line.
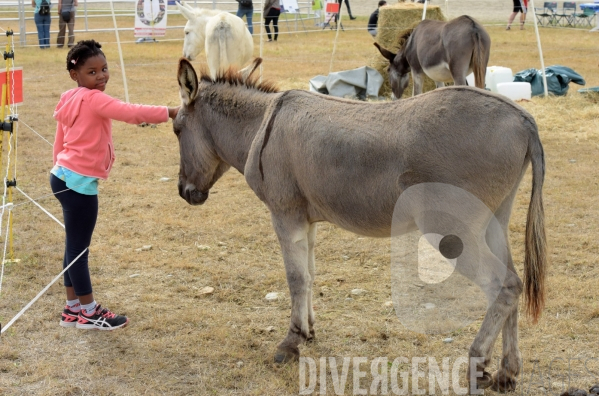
[(567, 16), (586, 18), (333, 10), (546, 16)]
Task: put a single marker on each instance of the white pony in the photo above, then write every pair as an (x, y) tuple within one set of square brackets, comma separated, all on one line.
[(224, 36)]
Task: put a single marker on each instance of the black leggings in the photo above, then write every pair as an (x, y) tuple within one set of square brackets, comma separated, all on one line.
[(80, 213), (273, 15)]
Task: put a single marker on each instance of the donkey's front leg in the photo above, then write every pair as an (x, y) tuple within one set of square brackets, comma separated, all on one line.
[(293, 237), (312, 270), (418, 83)]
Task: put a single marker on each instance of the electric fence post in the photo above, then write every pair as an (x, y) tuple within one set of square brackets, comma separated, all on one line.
[(8, 120)]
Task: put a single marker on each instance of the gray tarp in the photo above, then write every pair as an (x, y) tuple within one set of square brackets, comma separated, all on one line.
[(558, 78), (362, 83)]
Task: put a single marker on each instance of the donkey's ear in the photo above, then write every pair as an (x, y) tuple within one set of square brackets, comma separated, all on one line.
[(387, 54), (186, 10), (184, 4), (247, 71), (188, 81)]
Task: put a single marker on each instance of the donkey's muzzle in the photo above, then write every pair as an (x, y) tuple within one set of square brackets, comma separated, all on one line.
[(192, 195)]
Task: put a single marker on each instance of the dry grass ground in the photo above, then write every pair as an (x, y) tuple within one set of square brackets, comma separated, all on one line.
[(180, 342)]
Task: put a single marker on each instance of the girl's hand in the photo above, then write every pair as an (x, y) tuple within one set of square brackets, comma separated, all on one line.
[(173, 111)]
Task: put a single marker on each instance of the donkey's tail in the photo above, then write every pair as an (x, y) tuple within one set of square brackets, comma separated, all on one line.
[(479, 59), (535, 258)]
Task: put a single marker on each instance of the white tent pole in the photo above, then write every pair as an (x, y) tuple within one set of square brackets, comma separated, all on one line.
[(261, 36), (424, 10), (118, 43), (532, 6), (336, 37)]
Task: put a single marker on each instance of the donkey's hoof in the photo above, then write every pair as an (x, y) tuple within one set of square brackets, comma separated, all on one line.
[(311, 337), (483, 382), (575, 392), (503, 382), (285, 355)]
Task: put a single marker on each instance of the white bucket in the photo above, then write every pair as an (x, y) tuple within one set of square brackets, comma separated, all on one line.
[(496, 75), (470, 80), (515, 90)]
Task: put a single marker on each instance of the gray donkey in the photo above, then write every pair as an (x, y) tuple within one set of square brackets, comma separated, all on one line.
[(313, 158), (444, 51)]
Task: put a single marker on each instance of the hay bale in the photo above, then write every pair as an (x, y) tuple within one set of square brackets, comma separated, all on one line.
[(393, 21)]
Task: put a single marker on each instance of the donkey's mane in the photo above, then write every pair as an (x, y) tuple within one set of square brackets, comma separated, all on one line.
[(403, 37), (233, 76)]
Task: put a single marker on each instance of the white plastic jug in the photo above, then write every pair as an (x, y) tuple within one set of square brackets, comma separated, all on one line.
[(515, 90), (496, 75), (470, 80)]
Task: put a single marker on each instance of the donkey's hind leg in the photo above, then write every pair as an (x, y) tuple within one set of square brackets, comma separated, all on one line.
[(502, 286), (460, 80), (293, 238), (504, 379), (506, 301), (459, 70)]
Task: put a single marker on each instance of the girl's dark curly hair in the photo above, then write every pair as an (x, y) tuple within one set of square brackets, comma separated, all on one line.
[(81, 52)]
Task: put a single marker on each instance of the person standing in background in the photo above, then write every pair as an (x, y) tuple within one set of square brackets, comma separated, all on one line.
[(317, 7), (272, 10), (246, 8), (66, 17), (373, 21), (519, 7), (41, 16), (348, 9)]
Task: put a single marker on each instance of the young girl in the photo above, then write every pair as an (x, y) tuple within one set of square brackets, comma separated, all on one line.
[(84, 153)]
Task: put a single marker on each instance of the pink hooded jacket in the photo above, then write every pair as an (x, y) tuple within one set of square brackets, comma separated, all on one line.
[(83, 140)]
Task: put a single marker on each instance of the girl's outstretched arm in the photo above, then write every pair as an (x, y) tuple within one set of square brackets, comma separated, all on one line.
[(106, 106)]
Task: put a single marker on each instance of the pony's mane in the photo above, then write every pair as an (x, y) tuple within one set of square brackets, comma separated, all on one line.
[(232, 76)]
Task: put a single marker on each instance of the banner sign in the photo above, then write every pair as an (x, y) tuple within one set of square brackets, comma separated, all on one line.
[(150, 18), (331, 8), (15, 75), (289, 6)]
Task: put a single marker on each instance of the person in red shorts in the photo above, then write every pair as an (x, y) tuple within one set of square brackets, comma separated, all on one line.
[(520, 6)]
